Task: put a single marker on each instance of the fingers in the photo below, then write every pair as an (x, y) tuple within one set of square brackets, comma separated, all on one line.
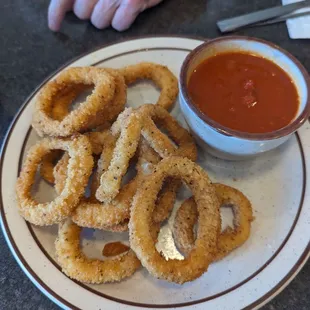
[(83, 8), (56, 12), (103, 13), (128, 12)]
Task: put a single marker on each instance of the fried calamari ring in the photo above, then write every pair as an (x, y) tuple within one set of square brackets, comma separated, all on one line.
[(47, 165), (76, 265), (160, 75), (164, 147), (183, 227), (166, 199), (103, 118), (89, 212), (96, 139), (64, 99), (105, 144), (80, 118), (114, 216), (160, 142), (111, 179), (125, 149), (121, 227), (147, 158), (230, 238), (99, 139), (79, 169), (209, 222), (119, 122), (106, 215), (88, 209), (111, 216), (59, 111), (60, 173)]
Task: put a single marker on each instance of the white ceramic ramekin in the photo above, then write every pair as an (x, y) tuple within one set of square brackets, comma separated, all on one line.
[(231, 144)]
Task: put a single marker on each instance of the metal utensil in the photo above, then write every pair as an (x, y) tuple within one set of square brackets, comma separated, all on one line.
[(234, 23), (282, 18)]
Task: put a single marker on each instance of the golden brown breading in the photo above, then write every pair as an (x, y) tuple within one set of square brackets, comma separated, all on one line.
[(230, 238), (76, 265), (160, 75), (140, 222), (104, 104), (79, 169), (125, 149), (152, 115)]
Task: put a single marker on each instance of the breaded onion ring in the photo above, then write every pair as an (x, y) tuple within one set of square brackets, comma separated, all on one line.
[(76, 265), (209, 222), (79, 169), (163, 78), (160, 142), (230, 238), (80, 119), (126, 146)]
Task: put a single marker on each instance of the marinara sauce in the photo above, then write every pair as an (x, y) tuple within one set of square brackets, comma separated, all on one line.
[(244, 92)]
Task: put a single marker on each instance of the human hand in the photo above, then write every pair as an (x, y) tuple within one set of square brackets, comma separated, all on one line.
[(120, 14)]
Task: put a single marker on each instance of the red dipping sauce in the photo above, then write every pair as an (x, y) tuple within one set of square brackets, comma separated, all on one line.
[(244, 92)]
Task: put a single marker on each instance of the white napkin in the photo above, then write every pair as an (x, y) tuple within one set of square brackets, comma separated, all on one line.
[(299, 27)]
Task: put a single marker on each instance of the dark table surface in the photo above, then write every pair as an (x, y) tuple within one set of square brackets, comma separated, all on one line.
[(29, 52)]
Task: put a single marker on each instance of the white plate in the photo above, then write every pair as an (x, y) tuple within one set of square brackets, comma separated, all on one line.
[(276, 183)]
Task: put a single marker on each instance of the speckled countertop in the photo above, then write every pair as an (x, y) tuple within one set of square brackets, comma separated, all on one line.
[(29, 52)]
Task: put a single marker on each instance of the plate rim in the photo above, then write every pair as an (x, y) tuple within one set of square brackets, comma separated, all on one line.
[(10, 240)]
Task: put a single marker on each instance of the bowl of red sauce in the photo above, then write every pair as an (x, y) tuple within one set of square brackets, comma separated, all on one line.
[(243, 96)]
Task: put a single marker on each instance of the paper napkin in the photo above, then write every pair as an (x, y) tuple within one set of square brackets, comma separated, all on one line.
[(299, 27)]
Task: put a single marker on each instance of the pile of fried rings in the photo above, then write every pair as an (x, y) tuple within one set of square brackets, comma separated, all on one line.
[(92, 147)]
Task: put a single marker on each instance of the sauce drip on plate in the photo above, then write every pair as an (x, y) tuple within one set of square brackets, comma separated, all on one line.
[(244, 92)]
